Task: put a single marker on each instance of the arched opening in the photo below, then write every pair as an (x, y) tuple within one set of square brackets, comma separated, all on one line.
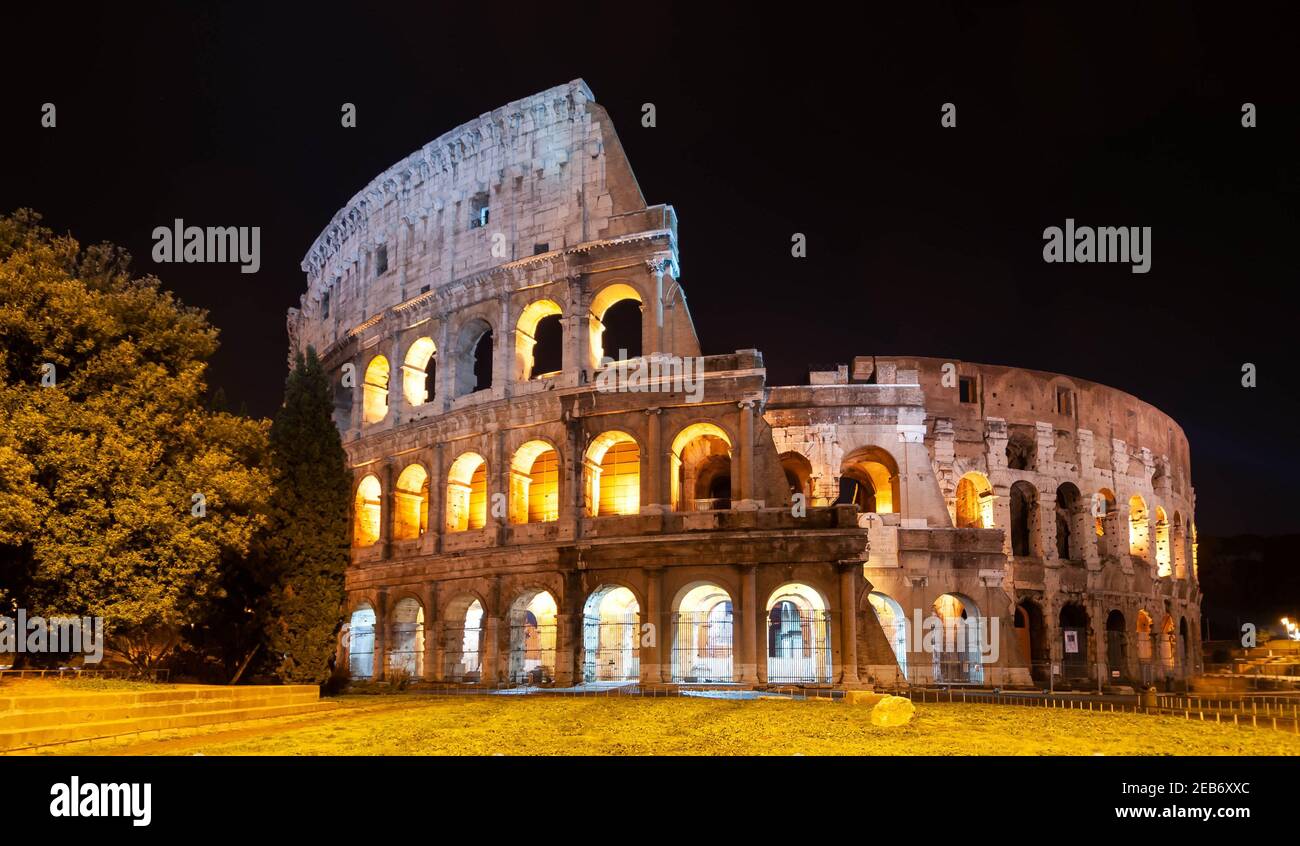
[(406, 644), (366, 511), (467, 493), (974, 507), (463, 639), (1103, 505), (1168, 642), (361, 642), (1164, 565), (474, 357), (419, 372), (893, 622), (956, 657), (1179, 543), (615, 324), (611, 636), (534, 484), (1116, 645), (1074, 642), (1021, 451), (702, 636), (798, 474), (613, 475), (869, 480), (1145, 646), (1069, 518), (375, 390), (700, 470), (1024, 519), (532, 638), (539, 340), (411, 508), (1032, 639), (798, 636), (1138, 530)]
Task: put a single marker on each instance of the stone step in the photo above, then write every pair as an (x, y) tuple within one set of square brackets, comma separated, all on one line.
[(107, 698), (13, 740), (115, 709)]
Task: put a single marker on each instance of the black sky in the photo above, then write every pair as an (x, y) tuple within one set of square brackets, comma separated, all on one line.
[(921, 240)]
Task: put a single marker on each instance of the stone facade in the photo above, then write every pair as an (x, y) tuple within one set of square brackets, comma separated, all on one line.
[(753, 534)]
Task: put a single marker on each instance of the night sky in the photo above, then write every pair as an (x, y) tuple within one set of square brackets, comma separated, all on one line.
[(921, 240)]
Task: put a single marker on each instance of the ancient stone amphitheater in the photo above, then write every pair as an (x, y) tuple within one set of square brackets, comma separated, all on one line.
[(529, 511)]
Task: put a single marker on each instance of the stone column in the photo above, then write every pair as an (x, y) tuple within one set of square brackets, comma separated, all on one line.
[(744, 498), (849, 571), (653, 311), (568, 634), (654, 659), (444, 380), (432, 629), (490, 649), (654, 499), (498, 483), (437, 502), (381, 634), (748, 669), (396, 382), (387, 499)]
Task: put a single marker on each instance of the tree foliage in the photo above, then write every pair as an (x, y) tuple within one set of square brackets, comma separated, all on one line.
[(105, 441), (307, 544)]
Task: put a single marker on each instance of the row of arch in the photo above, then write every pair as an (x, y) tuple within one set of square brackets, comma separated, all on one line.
[(614, 325), (1076, 518), (798, 637), (1130, 654), (700, 473)]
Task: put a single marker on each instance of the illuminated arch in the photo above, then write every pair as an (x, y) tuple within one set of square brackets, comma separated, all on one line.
[(467, 493), (869, 479), (411, 503), (700, 467), (958, 659), (798, 635), (605, 299), (361, 641), (366, 510), (527, 337), (1164, 560), (611, 635), (532, 638), (534, 483), (1103, 505), (612, 472), (406, 637), (463, 638), (1139, 530), (375, 390), (894, 624), (419, 372), (974, 506), (702, 634)]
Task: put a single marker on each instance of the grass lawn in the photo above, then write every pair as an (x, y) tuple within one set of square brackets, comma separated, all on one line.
[(542, 725)]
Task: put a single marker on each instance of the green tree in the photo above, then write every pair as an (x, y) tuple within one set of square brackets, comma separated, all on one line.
[(307, 544), (120, 494)]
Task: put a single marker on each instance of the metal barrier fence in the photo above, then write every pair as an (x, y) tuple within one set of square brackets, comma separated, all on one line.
[(702, 649), (612, 650), (798, 647), (532, 653)]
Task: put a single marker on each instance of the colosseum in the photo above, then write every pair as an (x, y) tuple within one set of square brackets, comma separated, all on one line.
[(553, 487)]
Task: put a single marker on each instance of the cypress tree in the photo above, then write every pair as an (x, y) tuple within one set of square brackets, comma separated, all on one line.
[(307, 545)]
